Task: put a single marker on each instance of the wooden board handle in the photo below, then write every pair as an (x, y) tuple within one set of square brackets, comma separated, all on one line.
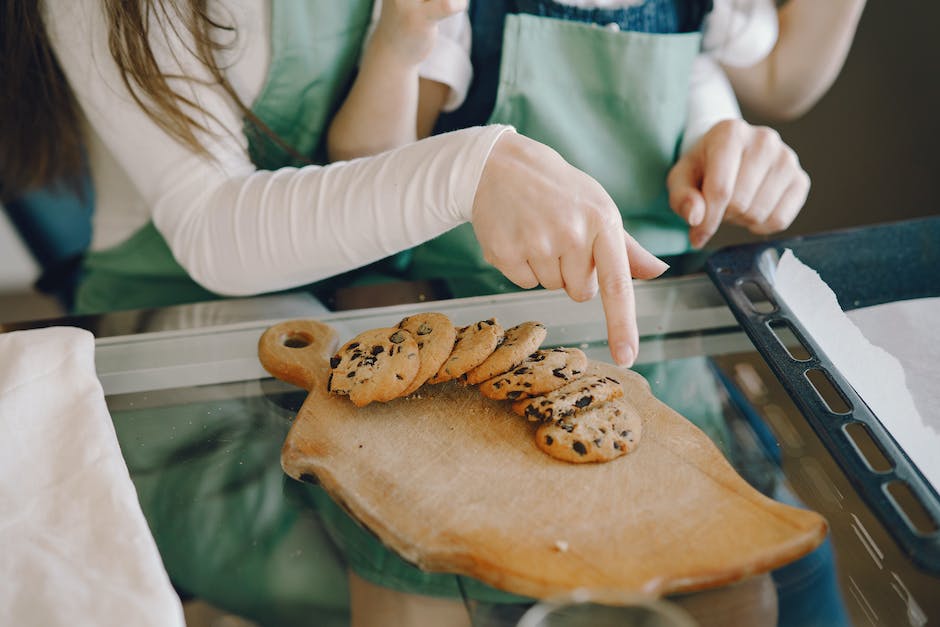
[(295, 351)]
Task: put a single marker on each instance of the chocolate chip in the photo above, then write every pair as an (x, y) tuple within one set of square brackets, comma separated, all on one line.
[(329, 382), (424, 329), (616, 445), (377, 349), (353, 345), (579, 448), (598, 442), (514, 395), (334, 361), (308, 478), (399, 377), (560, 373), (533, 412), (397, 337), (490, 322), (624, 433), (549, 440), (536, 357), (583, 402), (350, 375), (522, 370)]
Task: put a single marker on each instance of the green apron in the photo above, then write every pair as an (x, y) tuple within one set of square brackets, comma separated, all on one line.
[(611, 103), (594, 94), (315, 46), (568, 85)]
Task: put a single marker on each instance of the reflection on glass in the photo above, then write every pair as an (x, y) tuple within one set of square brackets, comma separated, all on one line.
[(577, 610)]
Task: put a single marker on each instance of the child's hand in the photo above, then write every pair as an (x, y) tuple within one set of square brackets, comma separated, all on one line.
[(741, 174), (408, 28)]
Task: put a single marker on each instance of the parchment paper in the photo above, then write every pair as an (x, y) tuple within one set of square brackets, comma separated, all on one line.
[(889, 353)]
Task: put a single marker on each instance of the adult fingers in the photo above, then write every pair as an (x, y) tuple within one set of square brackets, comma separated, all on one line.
[(577, 270), (520, 274), (643, 263), (548, 271), (616, 288), (440, 9)]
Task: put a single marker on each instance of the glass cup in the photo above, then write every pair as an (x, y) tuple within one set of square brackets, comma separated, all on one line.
[(582, 609)]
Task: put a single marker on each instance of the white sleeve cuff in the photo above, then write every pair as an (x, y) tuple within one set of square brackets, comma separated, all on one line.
[(449, 61)]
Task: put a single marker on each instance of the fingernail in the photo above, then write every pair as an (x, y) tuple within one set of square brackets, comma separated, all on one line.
[(624, 355)]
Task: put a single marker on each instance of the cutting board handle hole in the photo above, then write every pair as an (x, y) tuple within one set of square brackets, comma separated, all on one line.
[(296, 339)]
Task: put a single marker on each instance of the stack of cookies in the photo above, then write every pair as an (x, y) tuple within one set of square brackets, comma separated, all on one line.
[(582, 418)]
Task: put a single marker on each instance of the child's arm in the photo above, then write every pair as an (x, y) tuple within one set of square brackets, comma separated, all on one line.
[(814, 40), (389, 105)]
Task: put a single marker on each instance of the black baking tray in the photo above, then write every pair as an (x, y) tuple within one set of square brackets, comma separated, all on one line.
[(863, 266)]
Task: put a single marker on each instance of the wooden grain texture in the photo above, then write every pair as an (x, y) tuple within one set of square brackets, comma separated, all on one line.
[(454, 482)]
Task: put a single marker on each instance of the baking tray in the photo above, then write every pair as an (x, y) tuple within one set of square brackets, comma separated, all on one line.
[(864, 267)]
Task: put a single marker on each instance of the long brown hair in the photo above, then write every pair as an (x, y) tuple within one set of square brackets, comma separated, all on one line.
[(40, 135)]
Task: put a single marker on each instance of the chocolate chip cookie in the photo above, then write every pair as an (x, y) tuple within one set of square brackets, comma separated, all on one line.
[(475, 342), (577, 395), (539, 373), (376, 365), (519, 342), (599, 434), (435, 335)]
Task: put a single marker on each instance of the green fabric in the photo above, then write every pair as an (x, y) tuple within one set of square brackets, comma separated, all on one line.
[(231, 528), (562, 83), (566, 84), (611, 103), (315, 44)]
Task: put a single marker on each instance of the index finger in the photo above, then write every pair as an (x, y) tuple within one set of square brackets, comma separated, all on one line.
[(616, 287)]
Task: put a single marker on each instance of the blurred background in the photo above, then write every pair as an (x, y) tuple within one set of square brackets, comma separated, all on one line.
[(870, 146)]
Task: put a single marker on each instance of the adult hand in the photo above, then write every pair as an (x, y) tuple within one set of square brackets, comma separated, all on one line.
[(741, 174), (539, 220), (408, 28)]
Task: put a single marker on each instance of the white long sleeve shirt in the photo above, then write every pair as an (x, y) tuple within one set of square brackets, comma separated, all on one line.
[(235, 229), (239, 231)]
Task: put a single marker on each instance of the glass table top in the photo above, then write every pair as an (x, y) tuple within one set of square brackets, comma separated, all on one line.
[(201, 424)]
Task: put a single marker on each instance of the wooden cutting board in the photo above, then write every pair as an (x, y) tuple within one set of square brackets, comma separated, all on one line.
[(453, 482)]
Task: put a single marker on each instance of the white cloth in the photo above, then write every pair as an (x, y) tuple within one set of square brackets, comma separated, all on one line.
[(236, 230), (449, 60), (74, 546)]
